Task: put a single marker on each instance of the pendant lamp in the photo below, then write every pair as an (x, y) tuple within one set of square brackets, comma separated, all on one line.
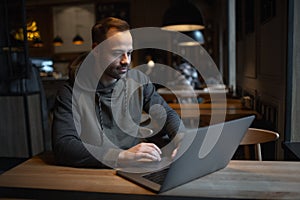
[(57, 41), (182, 16), (37, 42), (78, 40)]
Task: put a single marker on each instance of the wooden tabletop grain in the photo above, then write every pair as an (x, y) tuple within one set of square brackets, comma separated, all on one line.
[(240, 179)]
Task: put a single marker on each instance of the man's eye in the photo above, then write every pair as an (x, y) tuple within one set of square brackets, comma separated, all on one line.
[(129, 54)]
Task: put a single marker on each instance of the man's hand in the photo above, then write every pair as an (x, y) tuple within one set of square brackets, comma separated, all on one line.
[(142, 151)]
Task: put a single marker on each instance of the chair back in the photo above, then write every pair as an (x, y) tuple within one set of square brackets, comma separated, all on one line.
[(255, 137)]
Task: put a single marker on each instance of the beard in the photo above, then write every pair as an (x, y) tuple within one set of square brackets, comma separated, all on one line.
[(116, 72)]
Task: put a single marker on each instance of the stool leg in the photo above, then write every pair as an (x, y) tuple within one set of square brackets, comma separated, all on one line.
[(247, 152), (258, 152)]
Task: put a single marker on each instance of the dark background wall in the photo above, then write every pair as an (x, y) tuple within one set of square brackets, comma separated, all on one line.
[(261, 45)]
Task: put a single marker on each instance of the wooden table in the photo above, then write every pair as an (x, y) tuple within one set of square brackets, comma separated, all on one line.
[(232, 109), (37, 178)]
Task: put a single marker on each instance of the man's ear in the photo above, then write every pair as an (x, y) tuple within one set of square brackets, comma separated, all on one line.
[(94, 45)]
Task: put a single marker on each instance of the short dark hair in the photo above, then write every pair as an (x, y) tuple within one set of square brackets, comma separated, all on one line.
[(100, 29)]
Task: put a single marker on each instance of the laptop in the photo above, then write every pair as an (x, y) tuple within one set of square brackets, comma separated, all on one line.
[(202, 151)]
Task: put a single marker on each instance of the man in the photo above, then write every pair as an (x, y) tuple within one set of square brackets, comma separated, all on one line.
[(108, 134)]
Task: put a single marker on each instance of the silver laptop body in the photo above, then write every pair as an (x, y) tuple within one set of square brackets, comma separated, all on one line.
[(211, 149)]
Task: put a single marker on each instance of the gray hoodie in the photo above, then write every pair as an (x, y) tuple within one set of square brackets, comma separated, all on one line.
[(90, 128)]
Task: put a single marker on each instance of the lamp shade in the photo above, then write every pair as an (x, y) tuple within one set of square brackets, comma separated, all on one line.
[(182, 16), (57, 41), (78, 40), (37, 42)]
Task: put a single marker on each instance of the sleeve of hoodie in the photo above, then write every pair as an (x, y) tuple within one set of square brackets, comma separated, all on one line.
[(67, 146), (173, 123)]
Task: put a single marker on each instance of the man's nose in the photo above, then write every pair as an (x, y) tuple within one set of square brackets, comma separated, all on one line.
[(125, 59)]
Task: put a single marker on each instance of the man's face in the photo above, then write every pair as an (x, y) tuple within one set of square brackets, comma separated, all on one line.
[(118, 54)]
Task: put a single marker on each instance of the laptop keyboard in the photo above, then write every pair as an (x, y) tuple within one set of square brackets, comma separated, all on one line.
[(157, 177)]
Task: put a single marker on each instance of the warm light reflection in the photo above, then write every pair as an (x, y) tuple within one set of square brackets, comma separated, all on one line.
[(33, 34)]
